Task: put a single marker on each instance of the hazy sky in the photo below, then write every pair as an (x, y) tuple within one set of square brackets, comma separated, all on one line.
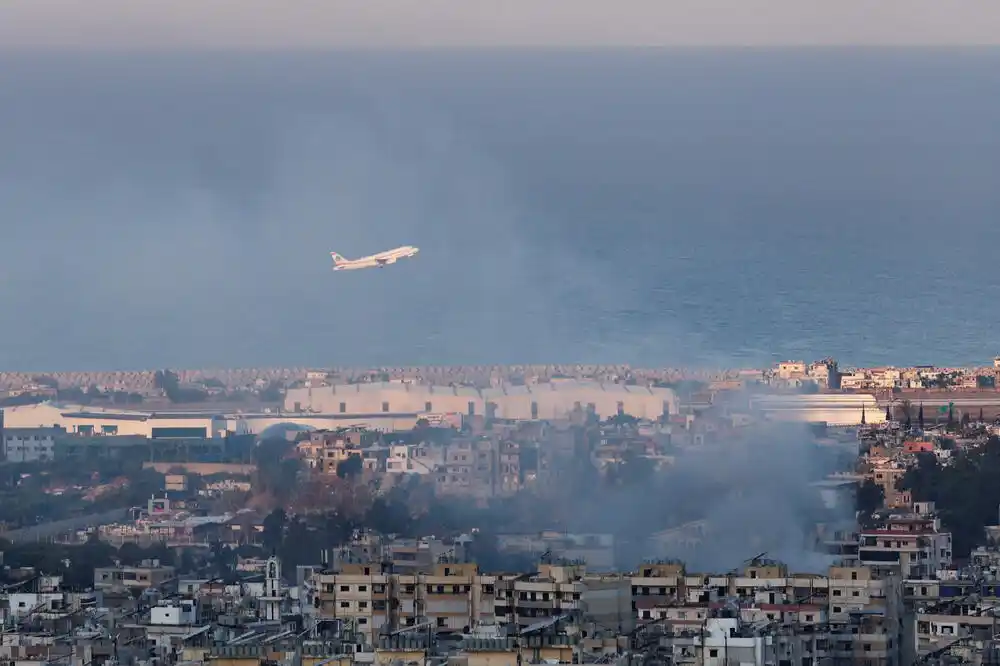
[(422, 23)]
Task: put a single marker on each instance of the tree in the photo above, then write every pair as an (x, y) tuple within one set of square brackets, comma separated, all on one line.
[(274, 530), (965, 491), (350, 467), (273, 392), (868, 498), (622, 419), (168, 382), (275, 473), (46, 380)]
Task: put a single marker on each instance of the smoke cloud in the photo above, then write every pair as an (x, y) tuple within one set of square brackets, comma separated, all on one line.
[(719, 504)]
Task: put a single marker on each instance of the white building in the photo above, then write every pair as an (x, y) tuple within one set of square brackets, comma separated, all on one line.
[(550, 400), (22, 445), (413, 459), (835, 409), (80, 420), (174, 613)]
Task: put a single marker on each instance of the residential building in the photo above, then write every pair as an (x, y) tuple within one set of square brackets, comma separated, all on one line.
[(148, 575), (25, 445)]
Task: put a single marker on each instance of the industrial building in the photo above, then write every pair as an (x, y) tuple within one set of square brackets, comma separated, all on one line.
[(551, 400), (80, 420), (835, 409)]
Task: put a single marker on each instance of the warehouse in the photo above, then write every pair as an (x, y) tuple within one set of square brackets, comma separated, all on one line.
[(835, 409), (80, 420), (551, 400)]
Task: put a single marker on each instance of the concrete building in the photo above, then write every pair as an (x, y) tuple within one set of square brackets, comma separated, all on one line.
[(552, 400), (481, 468), (765, 615), (80, 420), (150, 574), (835, 409), (23, 445), (913, 545), (454, 597)]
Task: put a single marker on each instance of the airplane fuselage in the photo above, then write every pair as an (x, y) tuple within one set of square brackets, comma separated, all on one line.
[(379, 260)]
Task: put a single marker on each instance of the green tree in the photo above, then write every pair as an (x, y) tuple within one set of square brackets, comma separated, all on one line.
[(868, 498), (351, 467), (965, 491), (274, 530)]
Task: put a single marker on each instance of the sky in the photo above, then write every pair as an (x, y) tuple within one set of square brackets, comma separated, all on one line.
[(285, 24)]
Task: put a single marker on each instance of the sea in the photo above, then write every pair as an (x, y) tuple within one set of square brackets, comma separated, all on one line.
[(678, 208)]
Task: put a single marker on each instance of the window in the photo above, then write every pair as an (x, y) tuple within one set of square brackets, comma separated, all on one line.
[(345, 604), (363, 588), (345, 588), (621, 408), (428, 407), (534, 410), (343, 407), (713, 653), (385, 407), (854, 575), (472, 408)]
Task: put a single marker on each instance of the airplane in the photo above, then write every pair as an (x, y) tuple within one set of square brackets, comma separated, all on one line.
[(380, 260)]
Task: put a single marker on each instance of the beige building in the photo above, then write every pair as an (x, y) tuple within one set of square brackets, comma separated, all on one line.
[(552, 400), (448, 597), (849, 616), (150, 574)]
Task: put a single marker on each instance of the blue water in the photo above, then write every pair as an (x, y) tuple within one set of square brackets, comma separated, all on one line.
[(659, 207)]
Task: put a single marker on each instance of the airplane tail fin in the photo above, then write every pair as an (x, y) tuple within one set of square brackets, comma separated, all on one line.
[(337, 259)]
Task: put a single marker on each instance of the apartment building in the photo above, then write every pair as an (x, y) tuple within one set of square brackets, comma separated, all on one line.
[(850, 616), (324, 450), (912, 544), (414, 459), (25, 445), (479, 468), (150, 574), (455, 597), (565, 590), (360, 594), (446, 598)]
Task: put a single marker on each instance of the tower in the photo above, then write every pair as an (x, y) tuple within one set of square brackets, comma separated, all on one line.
[(271, 601)]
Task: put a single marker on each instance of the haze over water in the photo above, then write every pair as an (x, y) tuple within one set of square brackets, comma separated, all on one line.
[(675, 207)]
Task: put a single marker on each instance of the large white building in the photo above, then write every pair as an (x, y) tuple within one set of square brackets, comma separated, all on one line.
[(552, 400), (835, 409), (79, 420)]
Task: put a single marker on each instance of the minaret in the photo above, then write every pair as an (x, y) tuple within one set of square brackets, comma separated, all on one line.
[(271, 601)]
